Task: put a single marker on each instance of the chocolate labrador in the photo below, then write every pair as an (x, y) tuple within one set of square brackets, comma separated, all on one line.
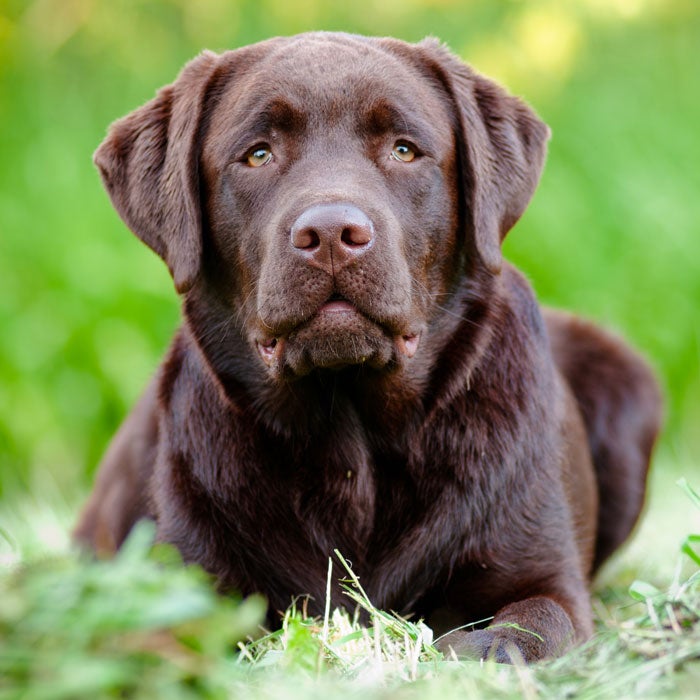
[(357, 367)]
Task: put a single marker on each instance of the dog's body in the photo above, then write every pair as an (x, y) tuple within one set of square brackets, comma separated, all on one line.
[(357, 368)]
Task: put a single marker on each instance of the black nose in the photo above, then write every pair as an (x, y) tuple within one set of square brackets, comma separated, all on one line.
[(331, 236)]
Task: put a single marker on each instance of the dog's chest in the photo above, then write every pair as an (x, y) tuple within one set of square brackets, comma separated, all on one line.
[(343, 492), (278, 507)]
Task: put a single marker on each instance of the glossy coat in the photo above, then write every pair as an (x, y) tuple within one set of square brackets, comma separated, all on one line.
[(357, 367)]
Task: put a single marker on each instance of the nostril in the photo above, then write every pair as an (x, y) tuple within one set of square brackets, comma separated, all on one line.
[(356, 236), (305, 239)]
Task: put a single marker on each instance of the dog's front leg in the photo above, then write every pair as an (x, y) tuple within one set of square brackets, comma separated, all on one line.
[(528, 630)]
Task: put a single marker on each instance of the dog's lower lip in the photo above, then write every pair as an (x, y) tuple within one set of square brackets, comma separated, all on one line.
[(270, 349), (408, 344), (337, 306)]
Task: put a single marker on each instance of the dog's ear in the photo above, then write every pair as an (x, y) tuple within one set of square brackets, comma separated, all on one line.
[(149, 166), (502, 146)]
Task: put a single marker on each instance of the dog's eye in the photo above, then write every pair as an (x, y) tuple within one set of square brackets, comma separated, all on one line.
[(403, 152), (260, 155)]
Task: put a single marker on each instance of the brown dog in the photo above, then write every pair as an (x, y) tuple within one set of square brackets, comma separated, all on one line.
[(357, 368)]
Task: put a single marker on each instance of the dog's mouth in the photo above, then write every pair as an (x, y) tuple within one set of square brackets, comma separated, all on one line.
[(337, 335)]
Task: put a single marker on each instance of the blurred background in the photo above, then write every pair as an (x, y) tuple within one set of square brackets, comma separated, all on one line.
[(86, 311)]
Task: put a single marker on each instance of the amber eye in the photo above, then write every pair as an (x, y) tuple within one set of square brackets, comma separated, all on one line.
[(260, 155), (403, 152)]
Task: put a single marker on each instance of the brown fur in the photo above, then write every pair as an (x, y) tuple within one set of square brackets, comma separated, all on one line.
[(357, 367)]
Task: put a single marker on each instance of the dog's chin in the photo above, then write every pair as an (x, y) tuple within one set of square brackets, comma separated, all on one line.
[(336, 337)]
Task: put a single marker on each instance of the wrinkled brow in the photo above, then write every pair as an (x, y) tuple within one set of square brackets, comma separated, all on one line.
[(278, 114), (384, 117)]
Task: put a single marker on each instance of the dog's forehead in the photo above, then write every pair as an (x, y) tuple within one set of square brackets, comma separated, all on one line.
[(333, 68), (331, 78)]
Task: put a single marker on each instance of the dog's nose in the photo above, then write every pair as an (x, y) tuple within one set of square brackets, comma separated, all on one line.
[(331, 236)]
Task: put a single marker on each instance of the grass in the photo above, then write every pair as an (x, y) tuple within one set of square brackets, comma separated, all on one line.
[(145, 626)]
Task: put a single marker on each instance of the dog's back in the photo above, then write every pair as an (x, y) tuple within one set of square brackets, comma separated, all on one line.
[(620, 402)]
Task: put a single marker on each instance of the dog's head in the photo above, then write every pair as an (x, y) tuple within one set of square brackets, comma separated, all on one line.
[(319, 199)]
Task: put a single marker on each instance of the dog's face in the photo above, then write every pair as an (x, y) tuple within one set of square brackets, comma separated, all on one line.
[(331, 185), (320, 198)]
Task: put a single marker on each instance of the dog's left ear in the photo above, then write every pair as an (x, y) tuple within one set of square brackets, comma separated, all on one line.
[(502, 144)]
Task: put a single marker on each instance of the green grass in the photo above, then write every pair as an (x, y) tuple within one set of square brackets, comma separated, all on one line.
[(145, 626)]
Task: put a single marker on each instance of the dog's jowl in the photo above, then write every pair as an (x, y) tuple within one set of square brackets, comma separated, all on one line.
[(358, 368)]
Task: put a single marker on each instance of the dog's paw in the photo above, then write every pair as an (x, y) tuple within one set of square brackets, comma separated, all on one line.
[(481, 644)]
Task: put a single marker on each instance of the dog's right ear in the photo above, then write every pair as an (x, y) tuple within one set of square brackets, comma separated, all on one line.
[(502, 145), (149, 166)]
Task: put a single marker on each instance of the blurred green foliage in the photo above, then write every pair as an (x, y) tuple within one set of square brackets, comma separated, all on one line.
[(139, 626), (86, 311)]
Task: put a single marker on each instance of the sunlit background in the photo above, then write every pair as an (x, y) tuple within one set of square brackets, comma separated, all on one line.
[(86, 311)]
